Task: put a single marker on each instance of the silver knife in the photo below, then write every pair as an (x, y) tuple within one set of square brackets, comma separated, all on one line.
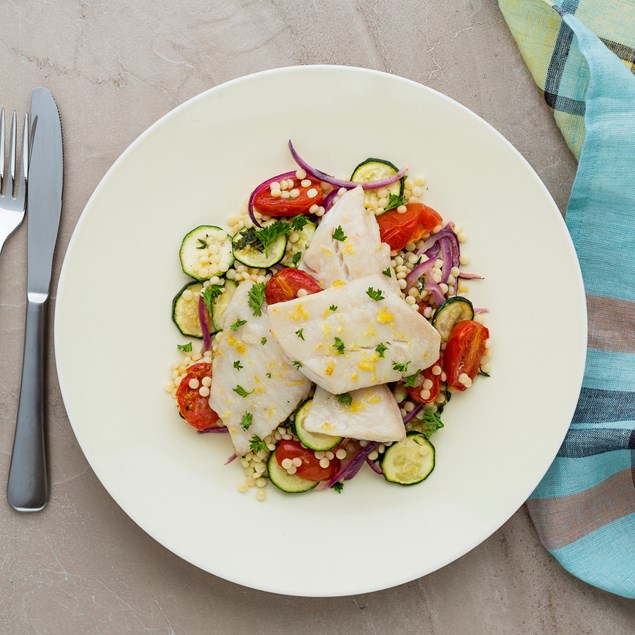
[(27, 489)]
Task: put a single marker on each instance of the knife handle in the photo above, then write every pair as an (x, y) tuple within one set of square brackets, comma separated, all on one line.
[(27, 489)]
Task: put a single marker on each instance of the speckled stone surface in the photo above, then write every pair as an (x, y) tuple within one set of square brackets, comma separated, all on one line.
[(82, 566)]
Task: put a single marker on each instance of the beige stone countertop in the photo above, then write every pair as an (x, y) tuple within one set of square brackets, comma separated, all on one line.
[(82, 566)]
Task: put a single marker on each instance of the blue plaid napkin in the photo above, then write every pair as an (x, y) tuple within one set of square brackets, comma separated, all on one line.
[(584, 509)]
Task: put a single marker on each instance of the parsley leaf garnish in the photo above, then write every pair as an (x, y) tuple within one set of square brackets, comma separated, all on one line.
[(202, 244), (295, 259), (387, 272), (210, 293), (374, 294), (394, 201), (186, 348), (268, 234), (338, 233), (338, 487), (263, 340), (339, 346), (237, 324), (239, 390), (246, 421), (300, 333), (381, 349), (256, 298), (431, 422), (268, 375), (298, 222), (345, 399), (256, 444), (402, 368), (333, 307), (411, 379), (480, 371), (238, 365), (297, 364)]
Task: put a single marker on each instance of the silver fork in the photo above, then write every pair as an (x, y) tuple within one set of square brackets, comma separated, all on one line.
[(13, 201)]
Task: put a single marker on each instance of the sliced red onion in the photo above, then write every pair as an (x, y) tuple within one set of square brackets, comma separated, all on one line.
[(480, 311), (327, 178), (446, 233), (215, 430), (351, 468), (413, 413), (233, 457), (418, 271), (446, 255), (202, 318), (262, 186), (470, 276), (374, 466), (328, 201)]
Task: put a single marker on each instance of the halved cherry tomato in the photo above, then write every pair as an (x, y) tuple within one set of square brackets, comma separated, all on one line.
[(464, 352), (194, 408), (285, 285), (278, 206), (415, 391), (310, 469), (399, 229)]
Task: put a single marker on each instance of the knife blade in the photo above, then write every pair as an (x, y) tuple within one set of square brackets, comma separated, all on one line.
[(27, 488)]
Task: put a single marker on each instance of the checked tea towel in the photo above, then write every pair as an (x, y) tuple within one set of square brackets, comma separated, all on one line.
[(584, 508)]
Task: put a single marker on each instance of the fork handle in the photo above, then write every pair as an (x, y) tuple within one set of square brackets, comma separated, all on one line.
[(27, 489)]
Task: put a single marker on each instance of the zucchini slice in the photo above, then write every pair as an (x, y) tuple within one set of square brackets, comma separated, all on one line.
[(219, 304), (453, 310), (408, 461), (248, 249), (289, 483), (197, 258), (185, 310), (375, 169), (300, 246), (312, 440)]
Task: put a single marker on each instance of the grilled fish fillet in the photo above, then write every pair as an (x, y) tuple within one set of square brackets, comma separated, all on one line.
[(348, 340), (271, 386)]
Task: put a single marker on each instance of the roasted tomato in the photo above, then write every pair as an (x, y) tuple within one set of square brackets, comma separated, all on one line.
[(194, 408), (270, 205), (434, 388), (464, 352), (285, 285), (398, 229), (310, 469)]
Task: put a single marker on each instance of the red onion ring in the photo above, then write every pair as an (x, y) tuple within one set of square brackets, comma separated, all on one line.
[(233, 457), (374, 466), (413, 413), (327, 178), (202, 318), (470, 276), (351, 468), (214, 430)]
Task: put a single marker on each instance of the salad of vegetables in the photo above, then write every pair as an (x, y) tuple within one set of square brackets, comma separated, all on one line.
[(334, 328)]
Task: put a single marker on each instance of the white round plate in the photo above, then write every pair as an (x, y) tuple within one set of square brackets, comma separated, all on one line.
[(197, 165)]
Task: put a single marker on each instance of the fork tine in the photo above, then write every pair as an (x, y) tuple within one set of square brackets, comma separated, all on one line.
[(23, 174), (12, 154), (1, 150)]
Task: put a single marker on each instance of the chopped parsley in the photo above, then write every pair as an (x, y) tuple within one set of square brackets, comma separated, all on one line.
[(270, 233), (239, 390), (297, 364), (387, 272), (238, 365), (185, 348), (345, 399), (256, 444), (268, 375), (374, 294), (237, 324), (256, 298), (394, 201), (210, 293), (381, 349), (202, 244), (411, 379), (246, 421), (431, 422), (296, 258), (338, 487), (300, 333), (262, 239), (402, 368), (338, 345), (338, 233), (263, 340), (333, 307), (298, 222)]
